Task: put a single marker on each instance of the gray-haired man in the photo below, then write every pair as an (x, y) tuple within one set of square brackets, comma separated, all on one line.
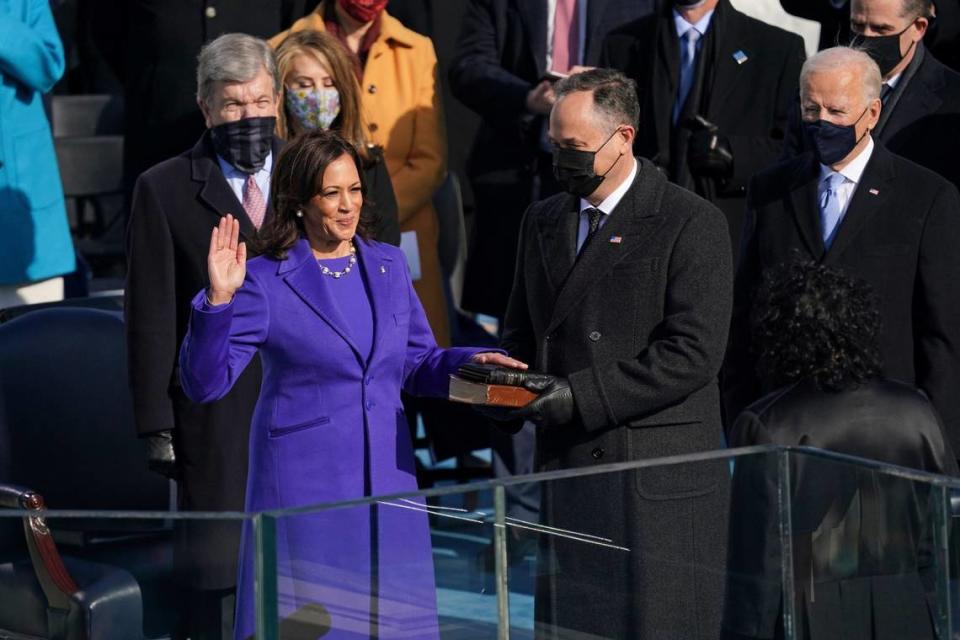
[(175, 205)]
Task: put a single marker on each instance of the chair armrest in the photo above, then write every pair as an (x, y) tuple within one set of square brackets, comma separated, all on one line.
[(57, 584)]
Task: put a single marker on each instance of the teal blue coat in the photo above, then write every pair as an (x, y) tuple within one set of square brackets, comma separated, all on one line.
[(35, 240)]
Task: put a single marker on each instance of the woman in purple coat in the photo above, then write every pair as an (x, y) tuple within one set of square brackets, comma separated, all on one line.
[(340, 332)]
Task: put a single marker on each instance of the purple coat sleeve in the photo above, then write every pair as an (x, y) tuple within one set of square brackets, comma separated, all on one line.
[(221, 340)]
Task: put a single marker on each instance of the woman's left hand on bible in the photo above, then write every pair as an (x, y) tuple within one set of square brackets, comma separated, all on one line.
[(490, 357)]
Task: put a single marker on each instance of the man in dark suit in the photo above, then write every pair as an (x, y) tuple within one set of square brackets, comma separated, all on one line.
[(716, 88), (852, 204), (834, 19), (623, 294), (921, 96), (151, 46), (500, 72), (176, 205)]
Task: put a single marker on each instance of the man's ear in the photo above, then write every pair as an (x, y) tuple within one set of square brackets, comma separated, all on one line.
[(205, 111)]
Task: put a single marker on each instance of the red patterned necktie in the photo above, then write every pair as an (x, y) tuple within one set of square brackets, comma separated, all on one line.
[(253, 202)]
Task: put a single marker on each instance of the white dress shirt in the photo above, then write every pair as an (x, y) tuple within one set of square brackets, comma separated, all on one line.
[(701, 25), (606, 207)]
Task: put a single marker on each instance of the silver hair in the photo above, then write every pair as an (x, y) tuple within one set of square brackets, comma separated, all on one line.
[(837, 58), (234, 57)]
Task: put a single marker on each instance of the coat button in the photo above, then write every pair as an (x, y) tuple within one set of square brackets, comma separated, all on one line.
[(370, 404), (373, 126), (597, 453), (594, 336), (211, 12), (372, 88)]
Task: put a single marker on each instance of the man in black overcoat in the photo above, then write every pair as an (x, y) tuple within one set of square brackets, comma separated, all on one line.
[(176, 205), (623, 294), (853, 205), (713, 111)]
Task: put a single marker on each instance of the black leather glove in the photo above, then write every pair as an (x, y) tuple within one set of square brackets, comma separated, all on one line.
[(708, 152), (160, 455), (553, 407)]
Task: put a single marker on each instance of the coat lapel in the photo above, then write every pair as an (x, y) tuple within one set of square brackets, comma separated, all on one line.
[(869, 197), (636, 220), (666, 74), (802, 201), (378, 269), (301, 274), (533, 13), (558, 240)]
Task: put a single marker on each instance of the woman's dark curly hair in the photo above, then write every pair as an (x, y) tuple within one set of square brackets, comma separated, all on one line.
[(812, 321), (298, 177)]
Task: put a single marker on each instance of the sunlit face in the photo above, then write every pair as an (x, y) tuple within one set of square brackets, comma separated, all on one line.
[(232, 101), (836, 96), (308, 71), (574, 125), (332, 215)]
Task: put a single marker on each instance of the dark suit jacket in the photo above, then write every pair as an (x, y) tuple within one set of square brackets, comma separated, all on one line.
[(175, 206), (639, 328), (869, 566), (900, 234), (500, 58), (919, 124), (748, 100)]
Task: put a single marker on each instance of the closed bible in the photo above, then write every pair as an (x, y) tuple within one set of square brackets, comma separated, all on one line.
[(497, 395)]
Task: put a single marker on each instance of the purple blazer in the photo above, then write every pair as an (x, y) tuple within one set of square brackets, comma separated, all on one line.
[(329, 426)]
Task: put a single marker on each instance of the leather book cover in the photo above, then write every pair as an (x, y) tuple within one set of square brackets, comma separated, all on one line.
[(497, 395)]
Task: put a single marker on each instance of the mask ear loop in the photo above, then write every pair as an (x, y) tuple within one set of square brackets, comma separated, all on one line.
[(610, 168)]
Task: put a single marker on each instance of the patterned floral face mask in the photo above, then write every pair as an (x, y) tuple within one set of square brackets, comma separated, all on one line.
[(314, 108)]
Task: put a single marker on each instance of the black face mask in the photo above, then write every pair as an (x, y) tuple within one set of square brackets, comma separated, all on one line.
[(687, 4), (573, 169), (833, 142), (244, 143), (885, 50)]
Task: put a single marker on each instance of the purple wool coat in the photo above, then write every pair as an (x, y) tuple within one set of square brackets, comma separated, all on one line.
[(329, 426)]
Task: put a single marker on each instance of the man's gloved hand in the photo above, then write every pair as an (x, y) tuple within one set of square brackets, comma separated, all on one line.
[(708, 152), (553, 407), (160, 455)]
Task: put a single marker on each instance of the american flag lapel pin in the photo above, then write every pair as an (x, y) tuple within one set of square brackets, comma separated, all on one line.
[(874, 192), (740, 56), (383, 269), (616, 239)]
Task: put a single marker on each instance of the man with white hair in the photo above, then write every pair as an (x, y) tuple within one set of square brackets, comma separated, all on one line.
[(850, 203), (175, 205), (920, 95)]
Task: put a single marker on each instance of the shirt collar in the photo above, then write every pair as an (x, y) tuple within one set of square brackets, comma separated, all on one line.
[(853, 171), (892, 81), (611, 201), (683, 26), (231, 171)]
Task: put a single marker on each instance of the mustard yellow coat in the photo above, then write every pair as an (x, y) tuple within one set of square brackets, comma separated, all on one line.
[(402, 112)]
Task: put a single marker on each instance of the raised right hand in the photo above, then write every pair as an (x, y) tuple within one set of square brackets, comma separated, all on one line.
[(226, 261)]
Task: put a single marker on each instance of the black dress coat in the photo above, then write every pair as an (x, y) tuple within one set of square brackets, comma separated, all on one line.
[(900, 234), (922, 115), (175, 206), (500, 57), (750, 75), (638, 325), (863, 552)]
